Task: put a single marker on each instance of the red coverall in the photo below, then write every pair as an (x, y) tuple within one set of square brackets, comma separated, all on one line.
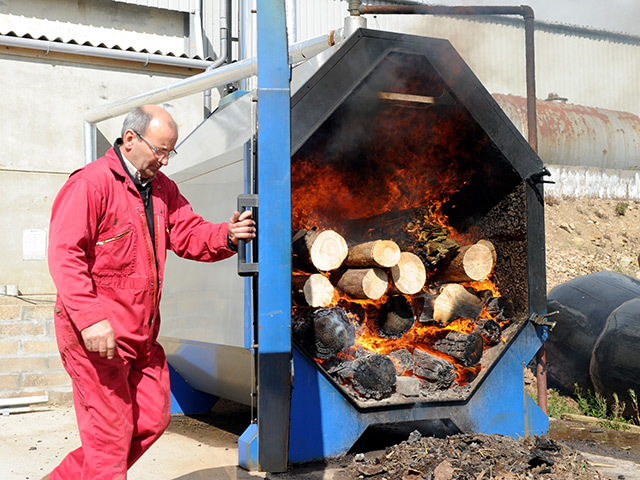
[(104, 266)]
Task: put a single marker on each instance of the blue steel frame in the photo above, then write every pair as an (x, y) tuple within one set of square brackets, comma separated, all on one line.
[(325, 424), (307, 418), (264, 445)]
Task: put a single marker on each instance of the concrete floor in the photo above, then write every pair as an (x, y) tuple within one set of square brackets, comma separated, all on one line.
[(33, 443)]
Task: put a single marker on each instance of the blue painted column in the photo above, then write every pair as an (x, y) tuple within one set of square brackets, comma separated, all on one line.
[(274, 238)]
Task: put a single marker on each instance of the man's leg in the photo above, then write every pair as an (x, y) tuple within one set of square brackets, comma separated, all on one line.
[(151, 396), (103, 405)]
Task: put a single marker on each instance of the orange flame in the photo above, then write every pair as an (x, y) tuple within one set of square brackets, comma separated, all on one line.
[(413, 158)]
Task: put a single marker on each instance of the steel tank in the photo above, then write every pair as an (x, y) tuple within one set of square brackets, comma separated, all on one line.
[(577, 135)]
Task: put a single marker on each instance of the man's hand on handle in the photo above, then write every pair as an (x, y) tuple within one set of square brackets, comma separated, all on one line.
[(241, 227), (99, 337)]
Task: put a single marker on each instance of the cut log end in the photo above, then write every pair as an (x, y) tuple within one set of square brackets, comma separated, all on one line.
[(409, 275), (378, 253), (328, 250), (472, 263), (313, 290), (364, 283), (478, 262)]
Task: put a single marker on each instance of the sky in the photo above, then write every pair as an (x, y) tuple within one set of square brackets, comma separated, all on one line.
[(612, 15)]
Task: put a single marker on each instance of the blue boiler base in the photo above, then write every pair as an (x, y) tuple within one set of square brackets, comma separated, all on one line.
[(325, 424)]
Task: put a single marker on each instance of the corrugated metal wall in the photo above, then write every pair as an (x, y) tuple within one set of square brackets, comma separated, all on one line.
[(97, 22), (588, 68), (175, 5)]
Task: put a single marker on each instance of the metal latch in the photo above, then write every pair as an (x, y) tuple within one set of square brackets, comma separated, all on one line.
[(540, 319), (247, 269), (538, 178)]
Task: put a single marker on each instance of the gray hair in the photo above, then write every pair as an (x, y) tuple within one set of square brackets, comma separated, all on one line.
[(138, 120)]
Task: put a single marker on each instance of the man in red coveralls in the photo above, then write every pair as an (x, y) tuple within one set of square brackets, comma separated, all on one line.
[(111, 226)]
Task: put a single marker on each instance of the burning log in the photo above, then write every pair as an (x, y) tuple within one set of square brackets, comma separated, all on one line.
[(363, 283), (313, 290), (318, 250), (467, 349), (372, 376), (491, 248), (500, 308), (402, 360), (489, 329), (423, 305), (412, 231), (395, 317), (435, 369), (455, 301), (378, 253), (472, 263), (324, 332), (409, 275)]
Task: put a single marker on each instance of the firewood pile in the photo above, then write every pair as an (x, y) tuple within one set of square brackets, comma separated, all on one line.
[(395, 317)]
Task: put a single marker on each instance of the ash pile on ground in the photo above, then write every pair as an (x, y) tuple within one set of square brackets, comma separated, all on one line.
[(470, 457)]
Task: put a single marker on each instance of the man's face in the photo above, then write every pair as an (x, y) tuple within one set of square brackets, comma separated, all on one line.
[(139, 147)]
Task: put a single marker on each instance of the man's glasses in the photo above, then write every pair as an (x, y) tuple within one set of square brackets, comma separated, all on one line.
[(158, 152)]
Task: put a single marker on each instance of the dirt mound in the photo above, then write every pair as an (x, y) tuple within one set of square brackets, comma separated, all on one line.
[(472, 457), (591, 235)]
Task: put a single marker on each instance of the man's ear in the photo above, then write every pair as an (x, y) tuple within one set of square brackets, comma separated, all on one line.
[(128, 139)]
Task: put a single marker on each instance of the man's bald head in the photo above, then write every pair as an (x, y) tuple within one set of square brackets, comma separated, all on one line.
[(140, 118)]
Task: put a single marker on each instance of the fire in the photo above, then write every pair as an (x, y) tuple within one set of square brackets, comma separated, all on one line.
[(408, 159)]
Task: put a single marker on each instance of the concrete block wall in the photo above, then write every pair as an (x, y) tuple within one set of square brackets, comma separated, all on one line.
[(30, 364)]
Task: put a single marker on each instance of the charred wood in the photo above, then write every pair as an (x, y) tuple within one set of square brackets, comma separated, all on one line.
[(465, 348), (489, 329), (402, 360), (437, 370), (500, 308), (372, 376), (313, 290), (324, 332), (395, 317), (377, 253), (318, 250), (422, 304)]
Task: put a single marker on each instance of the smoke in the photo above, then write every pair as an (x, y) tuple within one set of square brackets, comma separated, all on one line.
[(612, 15)]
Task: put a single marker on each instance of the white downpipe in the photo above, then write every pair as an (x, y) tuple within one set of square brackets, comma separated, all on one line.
[(224, 40)]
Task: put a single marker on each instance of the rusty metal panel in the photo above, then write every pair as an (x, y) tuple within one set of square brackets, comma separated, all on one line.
[(576, 135)]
